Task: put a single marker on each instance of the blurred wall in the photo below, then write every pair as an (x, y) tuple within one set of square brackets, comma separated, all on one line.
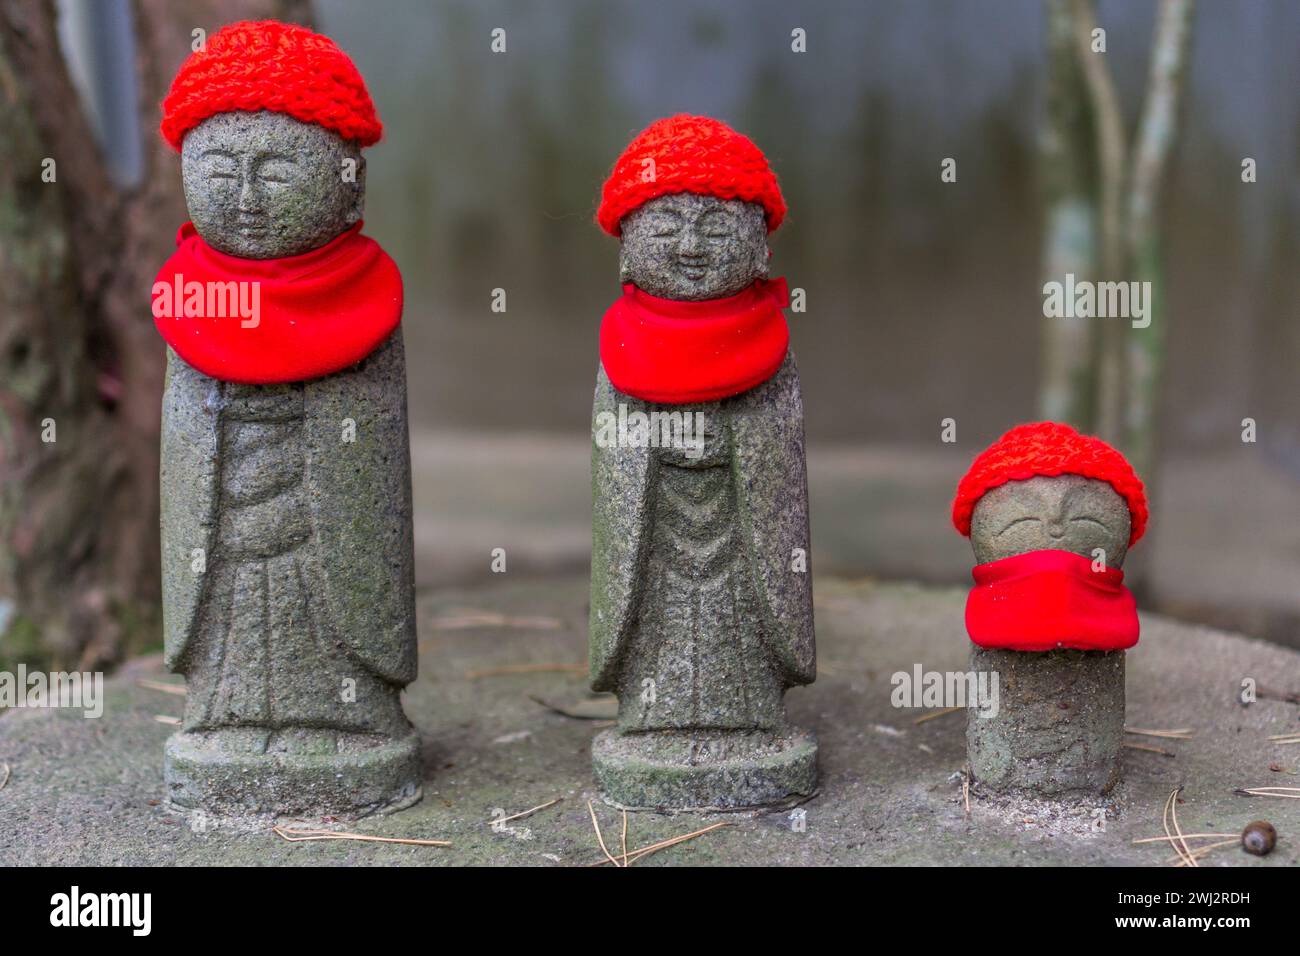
[(924, 298)]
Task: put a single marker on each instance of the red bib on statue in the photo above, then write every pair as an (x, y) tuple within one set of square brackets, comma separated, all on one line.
[(263, 321), (1044, 600), (673, 352)]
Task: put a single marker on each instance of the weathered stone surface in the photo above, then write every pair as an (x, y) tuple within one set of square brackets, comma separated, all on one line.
[(288, 581), (297, 631), (88, 791), (692, 247), (1065, 512), (701, 607), (369, 779), (263, 185), (701, 616), (724, 771), (1060, 723)]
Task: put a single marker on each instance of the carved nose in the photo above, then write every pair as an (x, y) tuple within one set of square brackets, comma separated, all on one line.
[(249, 199), (690, 246), (1056, 529)]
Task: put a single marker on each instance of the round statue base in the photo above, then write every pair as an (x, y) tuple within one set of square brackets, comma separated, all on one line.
[(669, 770), (203, 772)]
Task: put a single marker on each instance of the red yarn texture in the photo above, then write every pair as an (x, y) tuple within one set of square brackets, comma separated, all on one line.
[(1049, 448), (1044, 600), (691, 154), (267, 65), (674, 352), (320, 312)]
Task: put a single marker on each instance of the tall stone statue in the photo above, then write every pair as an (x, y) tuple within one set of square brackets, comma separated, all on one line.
[(1051, 515), (286, 492), (701, 590)]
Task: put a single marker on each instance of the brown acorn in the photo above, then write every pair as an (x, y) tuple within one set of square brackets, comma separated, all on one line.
[(1258, 838)]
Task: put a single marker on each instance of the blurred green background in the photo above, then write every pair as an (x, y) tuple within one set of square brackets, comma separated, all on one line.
[(924, 298)]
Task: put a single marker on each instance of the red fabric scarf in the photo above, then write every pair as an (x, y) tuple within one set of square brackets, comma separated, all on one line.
[(317, 314), (674, 352), (1043, 600)]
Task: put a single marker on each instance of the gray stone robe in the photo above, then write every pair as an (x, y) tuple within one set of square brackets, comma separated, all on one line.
[(762, 447), (336, 567)]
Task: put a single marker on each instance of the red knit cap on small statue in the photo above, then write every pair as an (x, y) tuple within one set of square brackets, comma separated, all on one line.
[(267, 65), (691, 154), (1049, 449)]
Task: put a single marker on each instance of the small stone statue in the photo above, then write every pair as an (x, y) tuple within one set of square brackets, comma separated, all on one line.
[(1051, 515), (288, 587), (701, 591)]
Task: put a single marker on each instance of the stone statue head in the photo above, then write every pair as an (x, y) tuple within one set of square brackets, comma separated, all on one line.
[(1063, 513), (694, 247), (263, 185)]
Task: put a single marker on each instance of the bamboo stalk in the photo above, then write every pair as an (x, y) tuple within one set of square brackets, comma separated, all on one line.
[(1070, 227), (1111, 159), (1157, 130)]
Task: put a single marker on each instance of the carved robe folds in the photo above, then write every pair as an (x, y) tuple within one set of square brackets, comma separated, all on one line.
[(288, 566), (701, 603)]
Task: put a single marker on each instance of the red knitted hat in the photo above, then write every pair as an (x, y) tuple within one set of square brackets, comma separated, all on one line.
[(268, 65), (1049, 448), (691, 154)]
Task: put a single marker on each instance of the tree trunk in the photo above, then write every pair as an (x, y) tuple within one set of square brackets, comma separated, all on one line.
[(80, 362)]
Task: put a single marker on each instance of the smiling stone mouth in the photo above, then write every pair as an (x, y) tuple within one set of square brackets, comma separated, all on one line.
[(693, 270)]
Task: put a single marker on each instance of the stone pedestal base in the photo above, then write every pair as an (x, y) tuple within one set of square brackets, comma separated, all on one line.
[(201, 774), (1059, 725), (665, 770)]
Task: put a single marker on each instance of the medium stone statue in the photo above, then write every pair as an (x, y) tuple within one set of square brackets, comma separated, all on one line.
[(701, 591), (1051, 515), (286, 499)]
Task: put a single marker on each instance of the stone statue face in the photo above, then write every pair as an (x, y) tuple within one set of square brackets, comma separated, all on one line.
[(690, 247), (1065, 513), (264, 185)]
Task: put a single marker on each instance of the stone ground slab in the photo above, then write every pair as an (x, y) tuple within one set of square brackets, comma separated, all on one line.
[(88, 791)]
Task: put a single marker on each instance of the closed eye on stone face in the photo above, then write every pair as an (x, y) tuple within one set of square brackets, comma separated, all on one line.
[(276, 169), (1091, 520), (665, 226), (221, 164), (717, 226), (1018, 521)]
